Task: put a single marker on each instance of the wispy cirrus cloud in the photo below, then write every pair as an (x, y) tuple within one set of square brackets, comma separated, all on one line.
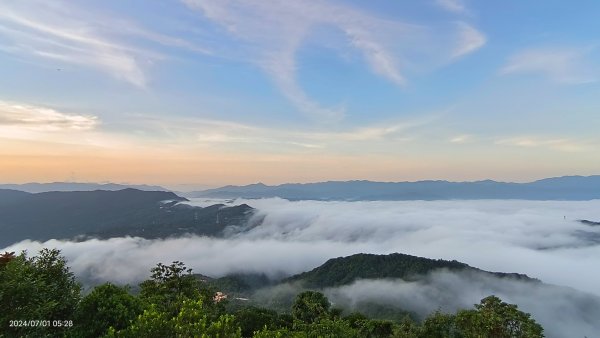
[(34, 123), (558, 144), (455, 6), (276, 30), (62, 32), (36, 118), (462, 138), (272, 33), (564, 65), (71, 41), (238, 136), (469, 40)]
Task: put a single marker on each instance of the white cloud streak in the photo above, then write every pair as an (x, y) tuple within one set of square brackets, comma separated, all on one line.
[(469, 40), (460, 139), (559, 65), (218, 133), (43, 119), (72, 42), (558, 144), (272, 33), (454, 6), (20, 121), (61, 32), (35, 123), (381, 60)]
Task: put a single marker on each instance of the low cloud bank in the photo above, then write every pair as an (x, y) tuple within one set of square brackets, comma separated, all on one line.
[(563, 312), (129, 259), (542, 239)]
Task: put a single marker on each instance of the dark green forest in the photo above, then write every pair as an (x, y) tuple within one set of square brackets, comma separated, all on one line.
[(40, 297), (345, 270)]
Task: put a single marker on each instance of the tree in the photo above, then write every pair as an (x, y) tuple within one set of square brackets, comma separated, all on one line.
[(407, 328), (168, 282), (369, 328), (36, 288), (374, 328), (152, 323), (496, 319), (327, 328), (106, 306), (310, 306), (439, 325), (252, 319), (355, 319), (193, 322), (278, 333), (178, 305), (170, 285), (190, 321)]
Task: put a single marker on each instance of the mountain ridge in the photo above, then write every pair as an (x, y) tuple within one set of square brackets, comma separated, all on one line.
[(109, 214), (35, 187), (554, 188), (347, 269)]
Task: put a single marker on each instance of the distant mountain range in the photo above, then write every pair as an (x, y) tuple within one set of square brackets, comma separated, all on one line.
[(106, 214), (558, 188), (72, 186)]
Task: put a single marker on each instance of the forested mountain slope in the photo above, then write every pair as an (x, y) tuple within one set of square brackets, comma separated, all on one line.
[(104, 214), (345, 270)]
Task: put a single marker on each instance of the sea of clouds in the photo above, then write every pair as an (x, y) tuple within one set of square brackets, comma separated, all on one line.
[(542, 239), (563, 312)]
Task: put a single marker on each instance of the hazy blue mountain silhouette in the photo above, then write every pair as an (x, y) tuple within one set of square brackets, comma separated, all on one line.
[(73, 186), (559, 188)]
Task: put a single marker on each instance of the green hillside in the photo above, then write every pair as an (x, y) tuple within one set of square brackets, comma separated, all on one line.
[(345, 270), (175, 303)]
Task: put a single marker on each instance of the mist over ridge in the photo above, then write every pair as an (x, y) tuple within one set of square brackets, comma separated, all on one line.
[(543, 239), (563, 312)]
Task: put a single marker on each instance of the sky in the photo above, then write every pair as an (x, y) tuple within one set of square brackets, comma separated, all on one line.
[(206, 93)]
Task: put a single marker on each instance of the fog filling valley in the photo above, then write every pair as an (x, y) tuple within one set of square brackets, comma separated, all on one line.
[(562, 312), (542, 239)]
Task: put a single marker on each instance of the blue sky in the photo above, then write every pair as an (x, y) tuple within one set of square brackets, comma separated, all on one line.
[(212, 92)]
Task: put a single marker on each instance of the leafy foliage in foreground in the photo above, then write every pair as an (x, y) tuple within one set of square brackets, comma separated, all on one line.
[(173, 303), (107, 305), (35, 288)]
